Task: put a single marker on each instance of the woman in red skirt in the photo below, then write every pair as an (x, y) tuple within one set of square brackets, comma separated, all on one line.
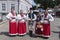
[(12, 22), (21, 23), (46, 24), (38, 27)]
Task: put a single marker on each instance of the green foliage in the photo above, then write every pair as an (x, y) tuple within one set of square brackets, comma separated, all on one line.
[(47, 3)]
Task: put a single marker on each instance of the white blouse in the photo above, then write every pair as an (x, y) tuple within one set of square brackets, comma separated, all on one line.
[(10, 17), (21, 19), (49, 17)]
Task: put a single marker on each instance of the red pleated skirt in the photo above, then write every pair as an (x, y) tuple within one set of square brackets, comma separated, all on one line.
[(38, 31), (46, 30), (21, 28), (12, 28)]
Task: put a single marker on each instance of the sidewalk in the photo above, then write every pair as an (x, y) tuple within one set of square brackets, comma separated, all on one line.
[(4, 20)]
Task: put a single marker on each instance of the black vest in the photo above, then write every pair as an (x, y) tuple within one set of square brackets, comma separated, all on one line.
[(31, 15)]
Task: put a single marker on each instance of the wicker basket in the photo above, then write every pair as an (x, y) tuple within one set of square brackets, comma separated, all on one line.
[(39, 25)]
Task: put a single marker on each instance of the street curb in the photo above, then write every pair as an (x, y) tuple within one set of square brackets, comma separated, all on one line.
[(3, 22)]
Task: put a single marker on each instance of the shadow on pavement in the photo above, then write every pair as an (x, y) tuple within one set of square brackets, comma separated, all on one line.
[(6, 34), (58, 32), (34, 36), (55, 31)]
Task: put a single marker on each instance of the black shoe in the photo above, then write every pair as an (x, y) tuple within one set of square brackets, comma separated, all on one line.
[(12, 35), (46, 37), (30, 33)]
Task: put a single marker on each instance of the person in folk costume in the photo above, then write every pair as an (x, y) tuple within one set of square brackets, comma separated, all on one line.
[(46, 24), (21, 23), (38, 27), (12, 22), (31, 21)]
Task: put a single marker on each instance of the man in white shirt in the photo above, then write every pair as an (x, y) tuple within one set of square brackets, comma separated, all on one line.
[(31, 17)]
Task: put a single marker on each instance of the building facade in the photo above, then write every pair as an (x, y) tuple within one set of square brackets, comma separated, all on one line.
[(6, 5)]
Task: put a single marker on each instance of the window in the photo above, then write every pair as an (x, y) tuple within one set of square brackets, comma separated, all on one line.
[(13, 6), (3, 6)]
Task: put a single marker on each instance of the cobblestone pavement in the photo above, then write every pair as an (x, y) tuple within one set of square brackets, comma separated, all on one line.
[(55, 32)]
